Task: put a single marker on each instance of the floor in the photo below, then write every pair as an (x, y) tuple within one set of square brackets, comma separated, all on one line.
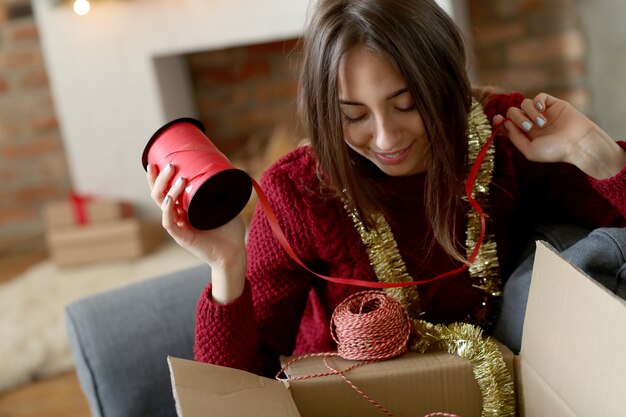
[(59, 396)]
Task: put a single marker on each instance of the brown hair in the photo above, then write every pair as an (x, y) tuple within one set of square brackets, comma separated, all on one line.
[(425, 46)]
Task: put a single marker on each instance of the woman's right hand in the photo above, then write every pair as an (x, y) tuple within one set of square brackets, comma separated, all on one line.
[(222, 248)]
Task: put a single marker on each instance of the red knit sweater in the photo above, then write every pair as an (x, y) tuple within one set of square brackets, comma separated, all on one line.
[(286, 310)]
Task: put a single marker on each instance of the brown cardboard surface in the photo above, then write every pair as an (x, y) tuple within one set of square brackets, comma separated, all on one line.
[(61, 213), (410, 385), (536, 398), (574, 341), (204, 390), (111, 240)]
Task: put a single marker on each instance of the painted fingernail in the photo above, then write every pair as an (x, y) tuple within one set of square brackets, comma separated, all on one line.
[(526, 125), (167, 168), (167, 200), (540, 122), (178, 181), (507, 124), (540, 106)]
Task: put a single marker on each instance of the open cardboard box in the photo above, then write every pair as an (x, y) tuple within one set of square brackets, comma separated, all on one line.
[(572, 364)]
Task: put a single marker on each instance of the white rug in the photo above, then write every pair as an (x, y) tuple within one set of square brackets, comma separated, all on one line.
[(33, 341)]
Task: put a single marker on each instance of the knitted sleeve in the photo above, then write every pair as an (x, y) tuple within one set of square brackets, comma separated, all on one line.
[(560, 190), (251, 332), (614, 188)]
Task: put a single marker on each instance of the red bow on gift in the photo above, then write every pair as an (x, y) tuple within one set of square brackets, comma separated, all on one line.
[(79, 207)]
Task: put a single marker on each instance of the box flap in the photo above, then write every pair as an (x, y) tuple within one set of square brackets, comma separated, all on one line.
[(575, 337), (202, 389), (537, 398)]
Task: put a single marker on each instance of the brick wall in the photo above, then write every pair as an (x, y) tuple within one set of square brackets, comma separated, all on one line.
[(530, 46), (242, 93), (33, 166)]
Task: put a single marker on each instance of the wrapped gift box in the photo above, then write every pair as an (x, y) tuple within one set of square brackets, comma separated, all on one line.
[(126, 238), (78, 210), (81, 230), (572, 364)]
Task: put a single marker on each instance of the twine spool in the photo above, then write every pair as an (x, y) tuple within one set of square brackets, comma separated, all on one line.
[(370, 326), (216, 192)]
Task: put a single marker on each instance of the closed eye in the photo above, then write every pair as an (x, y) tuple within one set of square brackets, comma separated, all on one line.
[(407, 109), (349, 120)]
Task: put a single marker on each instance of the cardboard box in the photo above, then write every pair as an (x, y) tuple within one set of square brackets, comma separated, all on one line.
[(103, 241), (572, 364), (573, 357), (411, 385), (63, 213)]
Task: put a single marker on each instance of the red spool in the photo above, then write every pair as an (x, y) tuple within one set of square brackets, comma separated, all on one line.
[(216, 191)]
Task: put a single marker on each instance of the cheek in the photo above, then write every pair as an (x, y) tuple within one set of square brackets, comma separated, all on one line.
[(354, 135)]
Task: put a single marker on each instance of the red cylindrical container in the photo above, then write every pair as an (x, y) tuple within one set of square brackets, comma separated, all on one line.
[(216, 192)]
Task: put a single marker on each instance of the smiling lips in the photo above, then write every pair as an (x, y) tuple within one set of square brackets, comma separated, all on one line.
[(393, 158)]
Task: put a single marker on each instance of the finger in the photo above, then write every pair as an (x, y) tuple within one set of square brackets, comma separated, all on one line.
[(182, 217), (519, 139), (540, 101), (532, 113), (174, 215), (498, 122), (497, 119), (519, 119), (177, 188), (160, 183), (170, 218), (151, 174)]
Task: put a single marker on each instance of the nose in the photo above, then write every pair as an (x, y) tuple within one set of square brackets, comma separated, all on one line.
[(386, 136)]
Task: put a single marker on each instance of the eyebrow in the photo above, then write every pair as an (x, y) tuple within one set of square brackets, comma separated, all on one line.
[(389, 97)]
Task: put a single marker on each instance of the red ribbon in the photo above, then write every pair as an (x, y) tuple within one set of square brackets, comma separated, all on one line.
[(213, 161), (469, 187), (79, 207)]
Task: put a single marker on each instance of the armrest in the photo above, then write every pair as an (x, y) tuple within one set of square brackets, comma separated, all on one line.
[(602, 255), (120, 340)]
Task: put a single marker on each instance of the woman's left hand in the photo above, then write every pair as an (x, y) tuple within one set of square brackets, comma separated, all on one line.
[(547, 129)]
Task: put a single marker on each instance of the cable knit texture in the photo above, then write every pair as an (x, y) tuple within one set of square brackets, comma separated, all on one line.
[(286, 310)]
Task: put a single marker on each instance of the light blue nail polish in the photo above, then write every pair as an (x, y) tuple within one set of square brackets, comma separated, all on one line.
[(526, 125), (178, 181), (540, 106), (540, 122), (167, 200), (167, 168)]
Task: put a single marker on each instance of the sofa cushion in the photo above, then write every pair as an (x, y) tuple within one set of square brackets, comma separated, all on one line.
[(120, 340)]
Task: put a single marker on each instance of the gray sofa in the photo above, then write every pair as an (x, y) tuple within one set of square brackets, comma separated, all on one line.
[(120, 339)]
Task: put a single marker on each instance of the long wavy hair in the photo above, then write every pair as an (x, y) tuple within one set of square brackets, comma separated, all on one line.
[(423, 43)]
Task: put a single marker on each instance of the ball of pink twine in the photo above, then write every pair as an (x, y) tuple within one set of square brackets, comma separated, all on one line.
[(370, 325)]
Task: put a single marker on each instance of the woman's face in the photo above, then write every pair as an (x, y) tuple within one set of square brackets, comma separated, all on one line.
[(379, 117)]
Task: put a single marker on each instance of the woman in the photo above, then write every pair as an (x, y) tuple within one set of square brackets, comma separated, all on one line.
[(393, 128)]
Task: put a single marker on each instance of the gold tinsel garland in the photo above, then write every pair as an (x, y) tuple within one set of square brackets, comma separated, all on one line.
[(490, 371), (463, 339), (485, 270), (387, 262)]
